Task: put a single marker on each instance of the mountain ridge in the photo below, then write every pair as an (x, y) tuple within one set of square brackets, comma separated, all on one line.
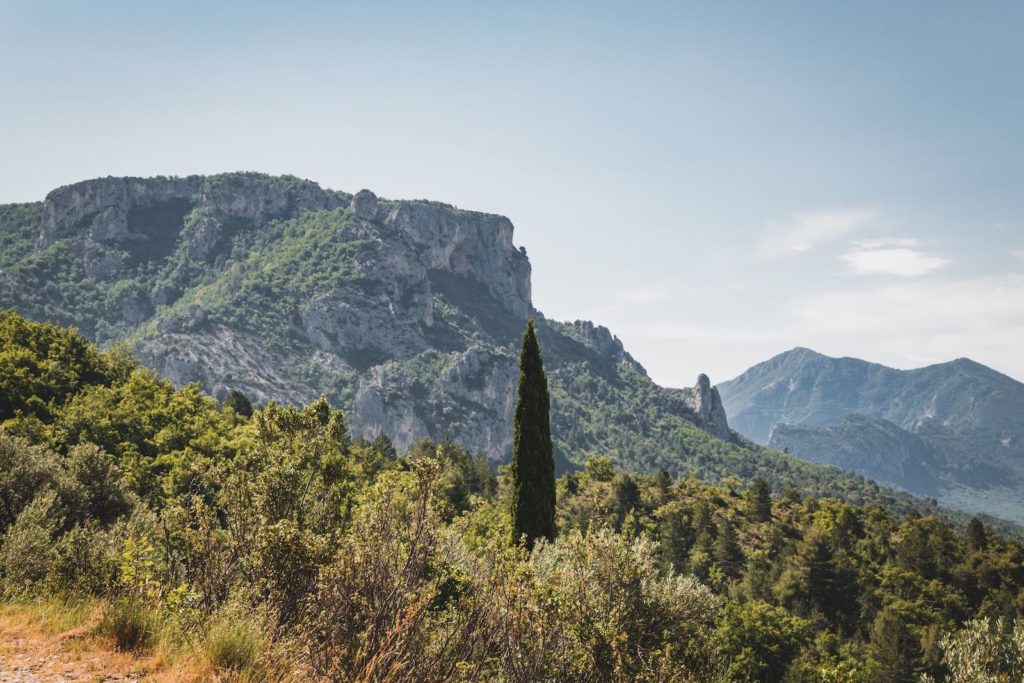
[(169, 263), (867, 417)]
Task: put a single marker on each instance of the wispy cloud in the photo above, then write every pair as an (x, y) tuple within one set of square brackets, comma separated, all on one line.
[(887, 242), (1019, 253), (801, 232), (899, 256), (903, 323), (908, 323)]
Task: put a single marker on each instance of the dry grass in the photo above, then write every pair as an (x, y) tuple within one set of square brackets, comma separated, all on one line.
[(48, 617), (61, 640)]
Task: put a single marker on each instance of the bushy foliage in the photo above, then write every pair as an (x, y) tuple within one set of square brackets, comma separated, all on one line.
[(28, 550), (186, 515), (43, 365), (760, 640), (985, 651)]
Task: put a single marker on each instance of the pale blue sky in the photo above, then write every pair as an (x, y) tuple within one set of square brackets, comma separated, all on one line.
[(716, 182)]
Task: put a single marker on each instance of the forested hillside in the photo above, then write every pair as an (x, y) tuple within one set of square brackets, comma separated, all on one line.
[(273, 544)]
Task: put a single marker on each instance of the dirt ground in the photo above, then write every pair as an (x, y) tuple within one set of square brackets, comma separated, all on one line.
[(30, 655)]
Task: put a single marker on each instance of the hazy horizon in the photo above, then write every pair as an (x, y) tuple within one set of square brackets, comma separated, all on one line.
[(715, 185)]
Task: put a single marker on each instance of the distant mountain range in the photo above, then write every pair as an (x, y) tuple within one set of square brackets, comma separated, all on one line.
[(954, 431), (406, 314)]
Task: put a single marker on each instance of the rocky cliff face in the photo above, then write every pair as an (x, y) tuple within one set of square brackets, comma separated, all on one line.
[(706, 404), (406, 313), (116, 221)]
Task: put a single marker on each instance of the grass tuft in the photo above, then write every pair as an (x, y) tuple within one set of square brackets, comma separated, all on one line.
[(237, 645), (132, 626)]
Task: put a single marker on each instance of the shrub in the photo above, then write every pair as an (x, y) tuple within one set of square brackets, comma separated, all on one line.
[(84, 561), (130, 624), (96, 480), (27, 549), (620, 617), (391, 602), (984, 652), (24, 471)]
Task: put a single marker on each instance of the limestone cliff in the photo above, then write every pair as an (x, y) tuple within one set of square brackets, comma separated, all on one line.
[(706, 405), (405, 313)]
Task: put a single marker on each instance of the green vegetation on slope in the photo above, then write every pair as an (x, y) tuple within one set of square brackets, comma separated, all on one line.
[(19, 224), (274, 271), (280, 543)]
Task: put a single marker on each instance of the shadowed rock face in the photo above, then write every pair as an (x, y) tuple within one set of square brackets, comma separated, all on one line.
[(874, 448), (407, 314)]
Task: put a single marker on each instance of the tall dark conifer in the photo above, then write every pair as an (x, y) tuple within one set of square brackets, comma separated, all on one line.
[(760, 501), (533, 463)]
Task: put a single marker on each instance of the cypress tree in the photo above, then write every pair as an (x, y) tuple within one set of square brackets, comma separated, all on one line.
[(533, 463)]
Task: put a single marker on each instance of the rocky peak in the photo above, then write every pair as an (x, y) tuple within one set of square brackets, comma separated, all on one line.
[(600, 339), (100, 207), (117, 222), (705, 402), (364, 205)]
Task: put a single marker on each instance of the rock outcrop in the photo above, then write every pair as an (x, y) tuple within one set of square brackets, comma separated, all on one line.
[(601, 340), (706, 404), (119, 221), (407, 314)]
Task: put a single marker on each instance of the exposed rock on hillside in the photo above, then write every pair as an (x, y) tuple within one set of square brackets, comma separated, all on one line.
[(407, 314), (706, 404)]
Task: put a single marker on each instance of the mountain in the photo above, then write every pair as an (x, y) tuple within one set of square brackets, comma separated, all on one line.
[(406, 314), (953, 430)]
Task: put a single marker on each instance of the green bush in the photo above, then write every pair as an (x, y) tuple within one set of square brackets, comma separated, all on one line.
[(84, 561), (27, 549), (98, 489), (25, 469)]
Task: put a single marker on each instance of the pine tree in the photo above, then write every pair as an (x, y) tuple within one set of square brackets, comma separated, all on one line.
[(533, 464), (239, 403), (676, 536), (976, 536), (727, 552), (821, 581), (760, 501), (895, 648)]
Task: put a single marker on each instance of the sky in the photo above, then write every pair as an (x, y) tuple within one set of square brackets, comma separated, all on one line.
[(715, 182)]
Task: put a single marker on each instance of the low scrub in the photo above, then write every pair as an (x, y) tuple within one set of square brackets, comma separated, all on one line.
[(132, 626)]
